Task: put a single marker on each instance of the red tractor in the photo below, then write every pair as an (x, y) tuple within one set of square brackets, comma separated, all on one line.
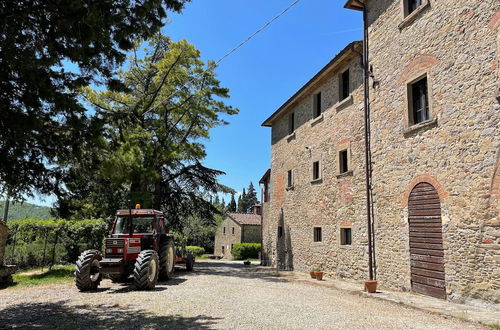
[(139, 244)]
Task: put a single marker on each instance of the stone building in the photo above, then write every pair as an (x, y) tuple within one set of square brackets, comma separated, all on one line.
[(435, 132), (237, 228)]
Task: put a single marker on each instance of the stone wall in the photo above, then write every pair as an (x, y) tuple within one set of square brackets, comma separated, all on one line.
[(227, 238), (332, 202), (456, 44), (251, 234)]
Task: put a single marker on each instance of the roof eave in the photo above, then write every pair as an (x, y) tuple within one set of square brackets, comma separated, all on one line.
[(354, 4)]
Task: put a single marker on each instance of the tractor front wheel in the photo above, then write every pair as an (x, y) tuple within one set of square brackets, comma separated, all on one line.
[(87, 274), (146, 270), (167, 259)]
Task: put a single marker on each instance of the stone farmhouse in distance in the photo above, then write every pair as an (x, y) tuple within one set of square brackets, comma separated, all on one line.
[(434, 96), (237, 228)]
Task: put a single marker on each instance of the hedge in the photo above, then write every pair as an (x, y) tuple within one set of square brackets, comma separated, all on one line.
[(195, 250), (242, 251), (29, 238)]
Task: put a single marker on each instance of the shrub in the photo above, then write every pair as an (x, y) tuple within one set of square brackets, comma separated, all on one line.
[(243, 251), (195, 250)]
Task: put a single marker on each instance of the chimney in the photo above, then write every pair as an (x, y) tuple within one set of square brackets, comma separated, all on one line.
[(257, 209)]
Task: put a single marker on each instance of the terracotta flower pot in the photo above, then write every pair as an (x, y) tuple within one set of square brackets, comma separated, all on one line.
[(313, 274), (246, 263), (319, 276), (371, 286)]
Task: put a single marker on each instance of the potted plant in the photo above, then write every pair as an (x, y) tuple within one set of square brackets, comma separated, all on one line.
[(247, 262), (313, 273), (371, 286), (318, 273)]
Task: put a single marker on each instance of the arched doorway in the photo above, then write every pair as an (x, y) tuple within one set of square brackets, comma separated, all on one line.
[(426, 241)]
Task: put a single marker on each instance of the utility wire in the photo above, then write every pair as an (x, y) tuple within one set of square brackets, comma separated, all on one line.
[(213, 65)]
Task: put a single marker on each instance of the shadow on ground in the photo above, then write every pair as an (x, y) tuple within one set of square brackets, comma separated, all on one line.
[(221, 268), (61, 315)]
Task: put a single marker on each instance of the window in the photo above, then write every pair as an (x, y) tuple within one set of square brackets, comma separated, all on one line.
[(345, 236), (317, 105), (289, 181), (418, 101), (233, 230), (412, 5), (317, 234), (316, 171), (343, 162), (344, 85), (291, 123), (224, 230), (280, 231), (223, 249)]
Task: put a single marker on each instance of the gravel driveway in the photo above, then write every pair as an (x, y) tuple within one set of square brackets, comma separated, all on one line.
[(222, 295)]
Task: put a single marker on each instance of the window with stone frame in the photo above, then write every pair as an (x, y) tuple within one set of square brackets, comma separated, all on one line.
[(291, 123), (316, 171), (224, 230), (318, 235), (343, 161), (289, 179), (344, 85), (345, 236), (280, 231), (233, 230), (418, 101), (317, 105)]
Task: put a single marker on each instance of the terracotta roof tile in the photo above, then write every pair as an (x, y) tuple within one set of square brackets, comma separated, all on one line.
[(245, 218)]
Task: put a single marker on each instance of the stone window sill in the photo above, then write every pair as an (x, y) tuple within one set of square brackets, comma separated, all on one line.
[(414, 129), (317, 120), (345, 174), (290, 136), (290, 188), (317, 181), (344, 103), (409, 19), (345, 246)]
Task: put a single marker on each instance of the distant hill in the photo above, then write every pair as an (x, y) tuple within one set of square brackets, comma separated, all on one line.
[(26, 210)]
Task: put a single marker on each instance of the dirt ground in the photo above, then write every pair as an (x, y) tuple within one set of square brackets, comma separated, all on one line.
[(217, 295)]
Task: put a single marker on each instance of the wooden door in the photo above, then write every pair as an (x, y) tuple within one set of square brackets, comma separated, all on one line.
[(426, 241)]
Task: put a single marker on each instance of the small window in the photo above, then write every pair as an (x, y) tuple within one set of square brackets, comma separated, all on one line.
[(345, 236), (233, 230), (418, 101), (224, 230), (317, 234), (289, 180), (317, 105), (232, 247), (412, 5), (343, 162), (280, 231), (291, 123), (223, 249), (316, 171), (344, 85)]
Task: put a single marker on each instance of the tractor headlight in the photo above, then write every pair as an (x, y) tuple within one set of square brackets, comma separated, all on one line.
[(109, 250), (120, 250)]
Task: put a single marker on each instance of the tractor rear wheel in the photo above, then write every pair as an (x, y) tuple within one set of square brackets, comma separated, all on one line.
[(146, 270), (87, 274), (189, 263), (167, 259)]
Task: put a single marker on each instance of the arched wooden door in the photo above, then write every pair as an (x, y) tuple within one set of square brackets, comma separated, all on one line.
[(426, 241)]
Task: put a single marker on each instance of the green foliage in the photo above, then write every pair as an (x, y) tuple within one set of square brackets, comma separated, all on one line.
[(243, 251), (31, 237), (195, 250), (152, 147), (26, 210), (231, 207), (247, 199), (42, 121)]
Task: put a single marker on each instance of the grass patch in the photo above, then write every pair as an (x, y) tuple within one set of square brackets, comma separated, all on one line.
[(36, 276), (494, 325)]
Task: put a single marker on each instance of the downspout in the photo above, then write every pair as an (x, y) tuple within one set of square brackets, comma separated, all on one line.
[(368, 164)]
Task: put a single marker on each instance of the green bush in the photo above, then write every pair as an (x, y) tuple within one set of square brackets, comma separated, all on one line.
[(31, 237), (242, 251), (195, 250)]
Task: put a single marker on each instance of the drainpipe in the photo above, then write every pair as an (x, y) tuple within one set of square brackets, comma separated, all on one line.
[(368, 164)]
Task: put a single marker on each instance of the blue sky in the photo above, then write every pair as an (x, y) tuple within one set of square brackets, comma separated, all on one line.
[(263, 73)]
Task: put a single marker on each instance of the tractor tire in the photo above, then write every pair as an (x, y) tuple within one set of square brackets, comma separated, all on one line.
[(146, 270), (87, 275), (189, 262), (167, 260), (119, 278)]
